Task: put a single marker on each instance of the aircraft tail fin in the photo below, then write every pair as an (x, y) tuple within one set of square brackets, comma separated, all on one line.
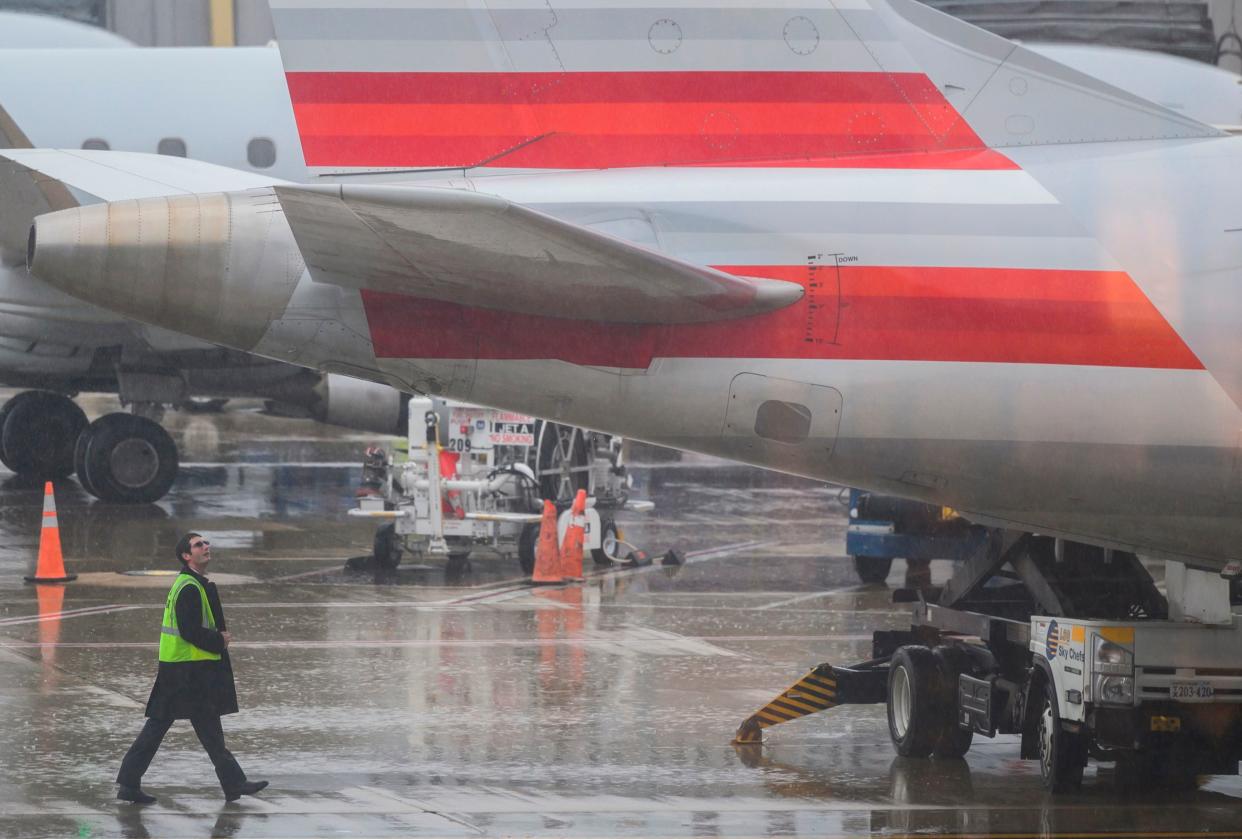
[(530, 85), (11, 134), (1012, 96), (24, 194)]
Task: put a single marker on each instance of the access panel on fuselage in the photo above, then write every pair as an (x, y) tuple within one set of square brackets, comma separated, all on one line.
[(789, 422)]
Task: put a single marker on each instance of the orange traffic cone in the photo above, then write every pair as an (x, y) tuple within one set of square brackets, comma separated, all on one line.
[(546, 558), (51, 568), (575, 535)]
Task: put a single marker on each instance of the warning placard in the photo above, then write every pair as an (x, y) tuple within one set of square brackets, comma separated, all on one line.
[(474, 429)]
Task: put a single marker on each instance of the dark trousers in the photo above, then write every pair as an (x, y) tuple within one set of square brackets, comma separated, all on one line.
[(210, 734)]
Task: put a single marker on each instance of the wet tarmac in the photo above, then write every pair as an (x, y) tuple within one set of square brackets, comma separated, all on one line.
[(461, 702)]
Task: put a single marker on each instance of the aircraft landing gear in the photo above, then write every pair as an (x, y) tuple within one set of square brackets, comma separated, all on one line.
[(124, 459), (119, 458), (38, 429)]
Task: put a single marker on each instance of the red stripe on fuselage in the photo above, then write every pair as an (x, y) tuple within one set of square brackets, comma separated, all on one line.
[(618, 119), (1007, 315), (612, 86)]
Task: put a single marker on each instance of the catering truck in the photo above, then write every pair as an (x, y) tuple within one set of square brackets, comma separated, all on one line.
[(1071, 646)]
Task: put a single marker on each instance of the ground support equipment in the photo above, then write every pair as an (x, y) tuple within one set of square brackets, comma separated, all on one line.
[(470, 480), (882, 528), (1068, 645)]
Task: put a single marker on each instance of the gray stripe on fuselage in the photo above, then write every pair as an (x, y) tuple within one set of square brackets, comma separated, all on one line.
[(1034, 220), (633, 24), (408, 56), (959, 250)]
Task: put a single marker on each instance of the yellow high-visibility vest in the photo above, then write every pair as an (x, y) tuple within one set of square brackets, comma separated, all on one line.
[(172, 646)]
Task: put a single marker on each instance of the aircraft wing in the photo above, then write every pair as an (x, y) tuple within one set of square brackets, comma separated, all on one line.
[(37, 181), (119, 175), (481, 250)]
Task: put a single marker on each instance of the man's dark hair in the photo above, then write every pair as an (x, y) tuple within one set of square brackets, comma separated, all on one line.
[(183, 545)]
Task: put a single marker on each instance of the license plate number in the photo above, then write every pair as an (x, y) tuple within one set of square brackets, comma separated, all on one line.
[(1191, 691)]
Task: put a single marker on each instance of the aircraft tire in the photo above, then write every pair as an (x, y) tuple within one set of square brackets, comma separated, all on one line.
[(873, 569), (128, 459), (5, 410), (914, 701), (38, 432), (79, 461)]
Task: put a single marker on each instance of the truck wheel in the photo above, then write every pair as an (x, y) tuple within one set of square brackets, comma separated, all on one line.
[(459, 548), (873, 569), (528, 540), (1061, 753), (387, 547), (457, 567), (914, 715), (954, 741), (608, 547)]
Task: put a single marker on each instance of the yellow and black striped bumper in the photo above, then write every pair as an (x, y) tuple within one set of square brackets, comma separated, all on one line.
[(824, 687)]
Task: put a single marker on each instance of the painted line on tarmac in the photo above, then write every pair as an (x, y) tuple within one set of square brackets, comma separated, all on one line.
[(192, 822), (505, 589), (329, 464), (724, 550), (815, 595), (67, 613), (596, 638), (823, 611), (380, 796), (691, 558), (334, 568), (501, 590)]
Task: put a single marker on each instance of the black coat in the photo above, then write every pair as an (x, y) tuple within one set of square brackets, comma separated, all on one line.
[(185, 689)]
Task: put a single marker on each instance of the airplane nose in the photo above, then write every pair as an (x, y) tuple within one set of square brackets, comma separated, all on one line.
[(217, 266)]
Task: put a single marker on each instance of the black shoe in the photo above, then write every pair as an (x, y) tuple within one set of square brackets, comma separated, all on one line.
[(247, 788), (135, 795)]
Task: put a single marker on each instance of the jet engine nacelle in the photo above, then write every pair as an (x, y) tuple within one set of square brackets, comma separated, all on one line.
[(180, 261), (356, 403)]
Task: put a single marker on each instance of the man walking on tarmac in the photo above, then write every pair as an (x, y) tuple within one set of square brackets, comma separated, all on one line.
[(195, 679)]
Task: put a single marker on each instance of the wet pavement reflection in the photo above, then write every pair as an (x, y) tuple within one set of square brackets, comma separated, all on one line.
[(460, 701)]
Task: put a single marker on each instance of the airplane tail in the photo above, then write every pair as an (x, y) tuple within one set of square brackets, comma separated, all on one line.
[(463, 84), (11, 134), (23, 195)]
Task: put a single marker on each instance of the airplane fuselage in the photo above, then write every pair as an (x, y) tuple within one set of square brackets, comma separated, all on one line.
[(960, 324)]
